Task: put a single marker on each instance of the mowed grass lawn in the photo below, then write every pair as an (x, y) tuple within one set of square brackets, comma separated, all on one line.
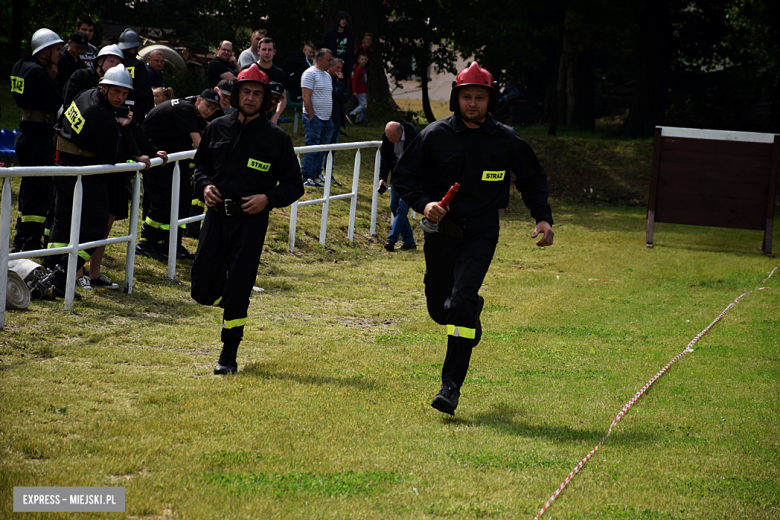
[(329, 415)]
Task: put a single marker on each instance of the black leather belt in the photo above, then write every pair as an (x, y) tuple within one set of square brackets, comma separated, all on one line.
[(230, 208)]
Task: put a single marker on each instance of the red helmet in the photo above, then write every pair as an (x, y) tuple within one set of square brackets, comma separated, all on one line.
[(255, 75), (473, 76)]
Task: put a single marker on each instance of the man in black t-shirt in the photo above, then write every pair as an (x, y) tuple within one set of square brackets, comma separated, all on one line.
[(274, 73), (224, 66), (173, 126)]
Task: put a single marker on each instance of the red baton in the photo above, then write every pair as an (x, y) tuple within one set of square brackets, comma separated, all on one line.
[(445, 202)]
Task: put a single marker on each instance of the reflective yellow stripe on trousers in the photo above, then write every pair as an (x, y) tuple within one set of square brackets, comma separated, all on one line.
[(461, 332)]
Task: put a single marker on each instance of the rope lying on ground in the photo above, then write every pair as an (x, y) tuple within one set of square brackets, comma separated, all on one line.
[(637, 395)]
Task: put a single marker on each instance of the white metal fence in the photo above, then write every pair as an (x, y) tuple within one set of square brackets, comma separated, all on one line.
[(73, 248)]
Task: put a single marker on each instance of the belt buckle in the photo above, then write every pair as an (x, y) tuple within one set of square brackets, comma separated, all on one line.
[(227, 208)]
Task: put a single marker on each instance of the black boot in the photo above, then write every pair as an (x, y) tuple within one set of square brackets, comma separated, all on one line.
[(227, 360), (148, 243), (447, 399)]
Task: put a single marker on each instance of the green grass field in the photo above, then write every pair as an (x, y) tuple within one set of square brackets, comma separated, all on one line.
[(329, 414)]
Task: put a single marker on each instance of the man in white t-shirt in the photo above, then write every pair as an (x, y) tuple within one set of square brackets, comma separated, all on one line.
[(316, 88), (252, 54)]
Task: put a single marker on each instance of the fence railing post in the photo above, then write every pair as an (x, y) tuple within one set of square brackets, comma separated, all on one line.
[(374, 194), (173, 222), (73, 255), (5, 244), (133, 232), (326, 204), (353, 202)]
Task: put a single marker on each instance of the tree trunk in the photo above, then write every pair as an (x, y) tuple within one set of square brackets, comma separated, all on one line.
[(580, 88), (552, 90), (16, 27), (426, 101), (654, 56)]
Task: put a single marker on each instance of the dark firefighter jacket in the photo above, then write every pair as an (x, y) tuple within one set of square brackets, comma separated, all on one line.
[(32, 87), (481, 160), (243, 160), (90, 124)]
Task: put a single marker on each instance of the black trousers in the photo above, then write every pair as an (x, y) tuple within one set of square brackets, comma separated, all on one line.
[(34, 146), (94, 218), (225, 267), (455, 270), (157, 183)]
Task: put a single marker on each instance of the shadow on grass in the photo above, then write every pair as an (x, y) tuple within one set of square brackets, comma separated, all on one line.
[(508, 419), (267, 371)]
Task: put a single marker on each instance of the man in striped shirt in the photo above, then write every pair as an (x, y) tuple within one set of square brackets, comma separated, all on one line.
[(316, 87)]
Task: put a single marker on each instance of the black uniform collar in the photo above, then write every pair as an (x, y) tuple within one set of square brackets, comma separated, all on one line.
[(255, 123), (458, 125)]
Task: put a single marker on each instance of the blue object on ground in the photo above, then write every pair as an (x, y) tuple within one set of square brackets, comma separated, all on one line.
[(7, 138)]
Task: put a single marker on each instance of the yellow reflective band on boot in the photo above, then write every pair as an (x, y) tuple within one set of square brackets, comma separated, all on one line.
[(217, 302), (33, 218), (461, 332), (232, 324), (153, 223)]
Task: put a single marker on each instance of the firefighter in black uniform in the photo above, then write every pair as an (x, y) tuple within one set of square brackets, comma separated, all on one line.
[(85, 79), (175, 126), (91, 134), (471, 148), (40, 97), (244, 167), (141, 99)]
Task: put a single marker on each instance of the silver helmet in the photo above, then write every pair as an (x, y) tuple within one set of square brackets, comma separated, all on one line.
[(129, 39), (118, 76), (111, 50), (43, 38)]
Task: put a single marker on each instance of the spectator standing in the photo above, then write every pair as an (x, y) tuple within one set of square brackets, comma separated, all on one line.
[(162, 94), (86, 24), (224, 66), (317, 90), (359, 90), (277, 91), (36, 92), (70, 59), (365, 47), (140, 99), (252, 54), (340, 96), (244, 167), (274, 73), (155, 63), (341, 41), (395, 140), (294, 65), (174, 126)]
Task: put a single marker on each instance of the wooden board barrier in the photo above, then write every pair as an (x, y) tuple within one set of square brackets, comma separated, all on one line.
[(714, 178)]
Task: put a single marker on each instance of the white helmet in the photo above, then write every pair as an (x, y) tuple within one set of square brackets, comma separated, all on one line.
[(118, 76), (111, 50), (43, 38), (129, 39)]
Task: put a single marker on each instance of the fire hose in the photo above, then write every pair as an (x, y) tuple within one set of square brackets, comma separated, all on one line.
[(636, 396)]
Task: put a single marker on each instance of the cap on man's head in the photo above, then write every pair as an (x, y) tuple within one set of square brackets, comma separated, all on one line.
[(210, 95), (226, 85), (79, 39), (276, 88)]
